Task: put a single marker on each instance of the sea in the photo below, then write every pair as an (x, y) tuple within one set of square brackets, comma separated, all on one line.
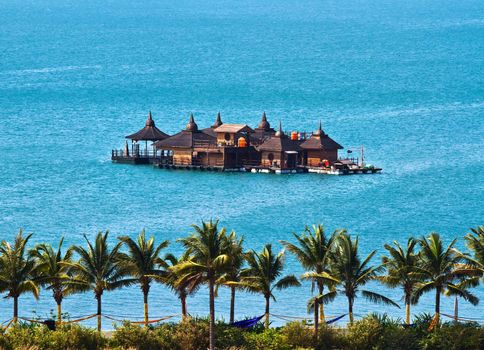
[(405, 79)]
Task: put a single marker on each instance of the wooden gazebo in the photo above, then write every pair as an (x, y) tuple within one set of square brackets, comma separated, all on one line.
[(149, 133)]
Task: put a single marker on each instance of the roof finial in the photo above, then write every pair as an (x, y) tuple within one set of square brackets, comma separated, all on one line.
[(264, 124), (150, 121), (192, 126), (279, 132), (218, 121), (320, 131)]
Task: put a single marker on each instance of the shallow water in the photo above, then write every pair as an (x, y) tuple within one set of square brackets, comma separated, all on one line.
[(403, 78)]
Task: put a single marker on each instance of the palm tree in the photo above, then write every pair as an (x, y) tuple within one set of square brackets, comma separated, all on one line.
[(172, 279), (98, 269), (354, 273), (313, 253), (208, 247), (443, 271), (261, 275), (17, 270), (475, 242), (142, 263), (401, 266), (54, 271), (234, 268)]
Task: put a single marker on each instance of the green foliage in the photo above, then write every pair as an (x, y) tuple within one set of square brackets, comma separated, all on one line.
[(451, 336), (269, 339), (68, 337), (298, 335), (141, 338)]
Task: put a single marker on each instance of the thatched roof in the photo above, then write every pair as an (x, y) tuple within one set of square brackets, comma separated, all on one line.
[(280, 143), (187, 139), (320, 141), (149, 133)]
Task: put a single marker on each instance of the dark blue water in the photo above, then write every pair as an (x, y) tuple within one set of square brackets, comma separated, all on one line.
[(406, 79)]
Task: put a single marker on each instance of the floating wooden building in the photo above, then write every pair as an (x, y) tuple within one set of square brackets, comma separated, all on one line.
[(238, 147)]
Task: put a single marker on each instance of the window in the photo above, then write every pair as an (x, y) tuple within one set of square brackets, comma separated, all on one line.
[(227, 136), (270, 156)]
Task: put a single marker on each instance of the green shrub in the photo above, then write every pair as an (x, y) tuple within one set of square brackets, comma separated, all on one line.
[(138, 337), (365, 334), (331, 338), (298, 335), (228, 337), (192, 334), (68, 337), (451, 336), (269, 339)]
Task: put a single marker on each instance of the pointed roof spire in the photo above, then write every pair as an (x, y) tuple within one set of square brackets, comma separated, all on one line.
[(218, 121), (192, 126), (320, 131), (279, 132), (264, 124), (150, 121)]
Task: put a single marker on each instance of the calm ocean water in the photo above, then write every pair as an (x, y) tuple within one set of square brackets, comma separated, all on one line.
[(404, 78)]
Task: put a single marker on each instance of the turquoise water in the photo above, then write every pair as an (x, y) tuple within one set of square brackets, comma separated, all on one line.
[(406, 79)]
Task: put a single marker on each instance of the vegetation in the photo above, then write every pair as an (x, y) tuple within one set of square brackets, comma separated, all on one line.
[(98, 270), (313, 252), (216, 259), (142, 263), (353, 273), (369, 333), (261, 275)]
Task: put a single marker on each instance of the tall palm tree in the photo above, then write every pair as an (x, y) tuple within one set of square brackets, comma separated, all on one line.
[(171, 278), (98, 269), (401, 266), (142, 263), (443, 271), (17, 270), (475, 242), (353, 273), (208, 247), (234, 268), (262, 275), (313, 252), (53, 271)]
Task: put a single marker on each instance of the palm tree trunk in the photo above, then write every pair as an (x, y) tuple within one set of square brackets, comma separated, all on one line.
[(407, 313), (145, 304), (350, 309), (59, 312), (321, 305), (268, 301), (98, 297), (316, 319), (456, 309), (232, 304), (183, 300), (437, 306), (211, 284), (15, 309)]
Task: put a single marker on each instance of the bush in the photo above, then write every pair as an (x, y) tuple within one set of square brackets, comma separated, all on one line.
[(68, 337), (331, 338), (365, 334), (141, 338), (451, 336), (192, 334), (269, 339), (298, 335)]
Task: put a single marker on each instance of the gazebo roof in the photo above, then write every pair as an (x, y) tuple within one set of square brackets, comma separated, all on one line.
[(320, 141), (149, 133), (279, 143), (186, 139)]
